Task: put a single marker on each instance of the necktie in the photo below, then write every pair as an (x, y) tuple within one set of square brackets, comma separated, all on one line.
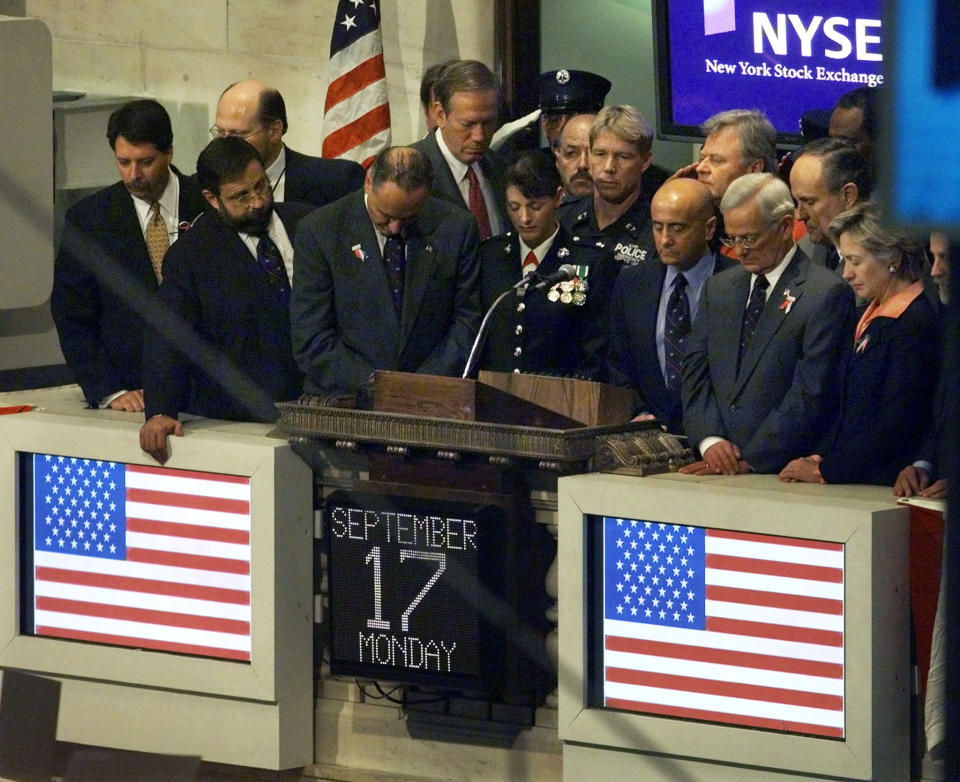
[(394, 262), (676, 328), (530, 263), (268, 256), (478, 207), (751, 315), (158, 241)]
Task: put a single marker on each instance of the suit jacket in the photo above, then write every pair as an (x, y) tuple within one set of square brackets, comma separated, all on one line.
[(319, 181), (343, 319), (888, 397), (103, 283), (781, 403), (445, 186), (633, 360), (547, 333), (229, 356)]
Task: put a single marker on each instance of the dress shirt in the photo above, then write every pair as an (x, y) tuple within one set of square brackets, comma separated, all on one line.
[(459, 171), (278, 233), (169, 208), (697, 277), (540, 250), (276, 175)]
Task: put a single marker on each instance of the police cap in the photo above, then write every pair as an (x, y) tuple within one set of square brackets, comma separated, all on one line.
[(572, 91)]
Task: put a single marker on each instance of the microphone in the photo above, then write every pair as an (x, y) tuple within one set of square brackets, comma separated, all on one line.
[(519, 288), (566, 272)]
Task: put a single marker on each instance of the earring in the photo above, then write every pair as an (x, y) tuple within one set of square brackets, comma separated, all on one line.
[(892, 268)]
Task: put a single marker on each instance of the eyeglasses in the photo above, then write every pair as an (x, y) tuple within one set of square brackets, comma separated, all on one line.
[(745, 242), (260, 190), (216, 132)]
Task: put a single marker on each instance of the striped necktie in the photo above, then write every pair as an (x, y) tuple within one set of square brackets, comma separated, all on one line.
[(751, 315)]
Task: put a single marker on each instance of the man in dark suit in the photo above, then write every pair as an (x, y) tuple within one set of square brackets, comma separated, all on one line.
[(828, 177), (256, 112), (562, 329), (105, 275), (465, 171), (764, 361), (385, 279), (223, 350), (654, 304)]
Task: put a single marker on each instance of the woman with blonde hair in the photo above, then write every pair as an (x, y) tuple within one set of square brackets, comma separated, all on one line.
[(892, 372)]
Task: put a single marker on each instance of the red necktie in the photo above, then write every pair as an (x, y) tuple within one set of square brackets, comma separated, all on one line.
[(478, 207), (530, 263)]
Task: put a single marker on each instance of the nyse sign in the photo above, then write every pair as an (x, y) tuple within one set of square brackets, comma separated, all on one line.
[(404, 577)]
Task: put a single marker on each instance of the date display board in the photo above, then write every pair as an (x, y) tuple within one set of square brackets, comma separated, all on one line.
[(412, 582)]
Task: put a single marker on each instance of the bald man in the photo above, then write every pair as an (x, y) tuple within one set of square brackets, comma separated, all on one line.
[(256, 113), (654, 303)]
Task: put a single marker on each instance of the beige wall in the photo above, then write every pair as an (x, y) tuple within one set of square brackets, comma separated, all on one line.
[(184, 52)]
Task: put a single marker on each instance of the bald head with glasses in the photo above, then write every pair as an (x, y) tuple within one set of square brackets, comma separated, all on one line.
[(255, 112)]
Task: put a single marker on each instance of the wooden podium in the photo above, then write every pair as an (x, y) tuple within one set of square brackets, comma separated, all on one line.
[(562, 425)]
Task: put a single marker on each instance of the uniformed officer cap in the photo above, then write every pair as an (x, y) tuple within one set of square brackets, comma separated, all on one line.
[(572, 91)]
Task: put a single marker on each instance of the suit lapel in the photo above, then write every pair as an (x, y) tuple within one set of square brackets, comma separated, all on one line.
[(729, 323)]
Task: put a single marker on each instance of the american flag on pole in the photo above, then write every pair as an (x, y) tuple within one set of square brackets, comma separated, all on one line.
[(724, 626), (142, 556), (356, 118)]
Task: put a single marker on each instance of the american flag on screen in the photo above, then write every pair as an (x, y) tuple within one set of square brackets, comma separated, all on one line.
[(142, 556), (356, 118), (724, 626)]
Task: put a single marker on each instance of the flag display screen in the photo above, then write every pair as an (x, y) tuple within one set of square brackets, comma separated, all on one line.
[(128, 555), (721, 626)]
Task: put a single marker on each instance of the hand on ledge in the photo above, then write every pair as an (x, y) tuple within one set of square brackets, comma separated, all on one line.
[(803, 470), (130, 402), (935, 491), (911, 480), (153, 436), (721, 458)]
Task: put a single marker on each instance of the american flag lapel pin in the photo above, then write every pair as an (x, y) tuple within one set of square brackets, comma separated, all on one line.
[(358, 252)]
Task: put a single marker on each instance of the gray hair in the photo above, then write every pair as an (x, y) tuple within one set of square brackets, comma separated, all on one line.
[(757, 136), (625, 122), (771, 193)]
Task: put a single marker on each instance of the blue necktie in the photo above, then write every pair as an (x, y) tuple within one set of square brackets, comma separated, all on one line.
[(676, 328), (751, 315), (394, 262), (268, 256)]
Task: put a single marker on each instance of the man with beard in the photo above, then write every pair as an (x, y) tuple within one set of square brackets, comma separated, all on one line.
[(108, 268), (224, 347)]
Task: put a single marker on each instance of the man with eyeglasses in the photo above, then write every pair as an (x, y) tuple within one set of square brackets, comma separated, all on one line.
[(765, 356), (223, 346), (256, 113), (107, 271)]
